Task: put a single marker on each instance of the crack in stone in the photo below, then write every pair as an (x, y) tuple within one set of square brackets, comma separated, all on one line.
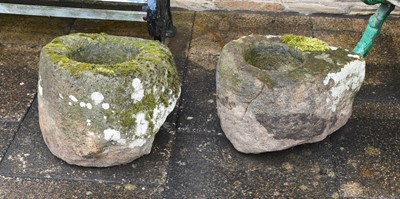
[(249, 103)]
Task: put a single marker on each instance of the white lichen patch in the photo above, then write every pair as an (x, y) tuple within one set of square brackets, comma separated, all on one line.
[(70, 103), (97, 98), (73, 98), (137, 143), (160, 113), (88, 122), (40, 88), (353, 56), (89, 106), (350, 77), (82, 104), (61, 96), (121, 141), (333, 47), (141, 124), (138, 91), (105, 106), (113, 135), (271, 36)]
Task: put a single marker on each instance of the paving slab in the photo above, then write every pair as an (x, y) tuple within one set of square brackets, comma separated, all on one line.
[(380, 85), (179, 44), (120, 28), (7, 132), (385, 52), (382, 77), (30, 30), (207, 166), (28, 156), (14, 187), (376, 110), (339, 23), (367, 153), (18, 77)]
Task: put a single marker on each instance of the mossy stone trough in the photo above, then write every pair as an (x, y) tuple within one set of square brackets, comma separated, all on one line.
[(276, 92), (103, 98)]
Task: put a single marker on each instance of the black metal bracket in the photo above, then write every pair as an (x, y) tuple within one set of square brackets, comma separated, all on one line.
[(159, 21)]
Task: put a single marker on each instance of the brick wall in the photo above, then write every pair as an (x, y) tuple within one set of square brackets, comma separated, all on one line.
[(347, 7)]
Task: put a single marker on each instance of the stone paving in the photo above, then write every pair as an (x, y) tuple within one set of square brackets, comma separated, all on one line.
[(191, 157)]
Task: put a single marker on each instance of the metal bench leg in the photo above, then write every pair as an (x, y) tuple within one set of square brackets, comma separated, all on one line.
[(159, 19)]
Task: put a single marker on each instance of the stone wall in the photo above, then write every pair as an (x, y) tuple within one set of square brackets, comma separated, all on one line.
[(347, 7)]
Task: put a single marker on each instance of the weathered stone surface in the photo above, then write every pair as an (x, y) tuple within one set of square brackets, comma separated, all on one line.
[(271, 96), (103, 98), (317, 7), (194, 4), (249, 5), (347, 7)]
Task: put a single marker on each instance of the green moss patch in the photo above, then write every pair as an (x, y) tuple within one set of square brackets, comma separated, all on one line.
[(304, 43), (106, 54)]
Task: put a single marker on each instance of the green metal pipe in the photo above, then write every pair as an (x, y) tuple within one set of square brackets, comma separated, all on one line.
[(373, 2), (374, 27)]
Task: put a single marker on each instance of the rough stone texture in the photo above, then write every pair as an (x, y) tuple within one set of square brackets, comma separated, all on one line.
[(193, 4), (317, 7), (271, 97), (103, 98), (211, 31), (350, 7), (245, 5)]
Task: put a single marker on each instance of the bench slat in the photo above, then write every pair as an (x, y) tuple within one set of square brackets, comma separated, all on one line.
[(85, 13)]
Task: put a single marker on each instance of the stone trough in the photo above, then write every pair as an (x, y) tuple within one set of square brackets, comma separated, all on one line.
[(103, 98), (276, 92)]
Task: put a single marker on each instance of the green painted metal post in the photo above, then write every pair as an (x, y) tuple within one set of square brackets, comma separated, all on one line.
[(374, 28), (373, 2)]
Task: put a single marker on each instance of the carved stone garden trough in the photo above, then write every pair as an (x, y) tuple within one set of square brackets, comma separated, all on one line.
[(275, 92), (103, 98)]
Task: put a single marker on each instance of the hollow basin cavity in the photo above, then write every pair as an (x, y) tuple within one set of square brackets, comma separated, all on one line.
[(102, 53), (272, 57)]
